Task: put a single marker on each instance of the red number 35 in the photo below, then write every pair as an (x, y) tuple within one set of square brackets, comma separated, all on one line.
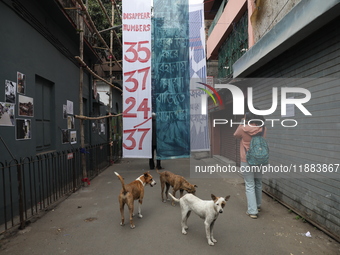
[(135, 52)]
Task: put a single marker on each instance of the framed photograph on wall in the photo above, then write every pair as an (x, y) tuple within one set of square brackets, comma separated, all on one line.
[(65, 136), (69, 105), (23, 129), (73, 137), (94, 127), (70, 122), (102, 126), (10, 91), (7, 117), (21, 83), (26, 106), (64, 111)]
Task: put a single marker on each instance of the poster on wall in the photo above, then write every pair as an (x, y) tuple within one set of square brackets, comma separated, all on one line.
[(69, 107), (10, 91), (21, 82), (94, 127), (137, 112), (65, 136), (102, 126), (70, 122), (23, 129), (7, 114), (73, 137), (64, 111), (26, 106), (99, 126)]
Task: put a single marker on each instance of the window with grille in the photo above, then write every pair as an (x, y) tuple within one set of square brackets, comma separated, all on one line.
[(233, 48)]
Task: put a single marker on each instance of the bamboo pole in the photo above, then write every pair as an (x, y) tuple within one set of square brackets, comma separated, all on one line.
[(108, 18), (116, 7), (81, 81), (81, 117), (83, 7), (94, 74), (110, 95)]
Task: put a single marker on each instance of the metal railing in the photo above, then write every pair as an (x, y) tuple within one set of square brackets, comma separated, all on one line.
[(32, 184), (217, 16)]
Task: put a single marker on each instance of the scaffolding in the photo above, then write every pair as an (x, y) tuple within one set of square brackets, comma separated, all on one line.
[(78, 13)]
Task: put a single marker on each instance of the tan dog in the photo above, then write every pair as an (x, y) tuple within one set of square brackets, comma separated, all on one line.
[(177, 182), (132, 192)]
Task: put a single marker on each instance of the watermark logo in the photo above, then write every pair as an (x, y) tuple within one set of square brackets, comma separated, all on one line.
[(238, 101), (204, 98)]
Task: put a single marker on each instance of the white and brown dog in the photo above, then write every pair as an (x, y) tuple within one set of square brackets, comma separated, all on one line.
[(205, 209), (177, 182), (131, 192)]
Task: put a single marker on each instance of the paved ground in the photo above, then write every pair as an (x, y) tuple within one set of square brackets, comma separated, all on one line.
[(88, 222)]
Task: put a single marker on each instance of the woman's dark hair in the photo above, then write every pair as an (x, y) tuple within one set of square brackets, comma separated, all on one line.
[(257, 118)]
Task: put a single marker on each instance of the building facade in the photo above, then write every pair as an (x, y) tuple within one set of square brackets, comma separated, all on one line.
[(297, 40), (42, 93), (42, 49)]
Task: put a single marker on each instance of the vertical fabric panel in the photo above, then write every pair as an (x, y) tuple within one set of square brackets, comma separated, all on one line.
[(170, 79), (199, 132), (137, 133)]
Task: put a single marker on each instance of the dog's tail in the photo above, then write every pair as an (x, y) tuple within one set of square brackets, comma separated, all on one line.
[(158, 171), (175, 199), (122, 181)]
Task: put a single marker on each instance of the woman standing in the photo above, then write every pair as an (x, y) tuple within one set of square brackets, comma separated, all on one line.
[(253, 125)]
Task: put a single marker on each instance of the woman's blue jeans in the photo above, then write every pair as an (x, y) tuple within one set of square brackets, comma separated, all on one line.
[(253, 184)]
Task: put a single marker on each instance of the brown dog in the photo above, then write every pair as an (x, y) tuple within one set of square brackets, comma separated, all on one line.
[(132, 192), (177, 182)]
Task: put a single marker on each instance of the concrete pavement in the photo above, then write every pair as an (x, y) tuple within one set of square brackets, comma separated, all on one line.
[(87, 222)]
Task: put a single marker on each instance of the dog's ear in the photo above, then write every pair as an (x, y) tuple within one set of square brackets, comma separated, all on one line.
[(213, 197), (195, 186), (146, 174), (227, 198)]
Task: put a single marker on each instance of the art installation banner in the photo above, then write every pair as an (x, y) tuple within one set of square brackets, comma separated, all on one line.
[(199, 132), (171, 78), (137, 112)]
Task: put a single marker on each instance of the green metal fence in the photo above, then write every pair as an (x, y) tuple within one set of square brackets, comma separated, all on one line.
[(32, 184)]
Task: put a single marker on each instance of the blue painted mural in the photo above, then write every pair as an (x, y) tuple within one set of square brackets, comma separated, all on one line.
[(171, 78)]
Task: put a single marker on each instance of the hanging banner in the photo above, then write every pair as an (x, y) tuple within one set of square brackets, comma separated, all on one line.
[(199, 132), (137, 112), (171, 78)]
